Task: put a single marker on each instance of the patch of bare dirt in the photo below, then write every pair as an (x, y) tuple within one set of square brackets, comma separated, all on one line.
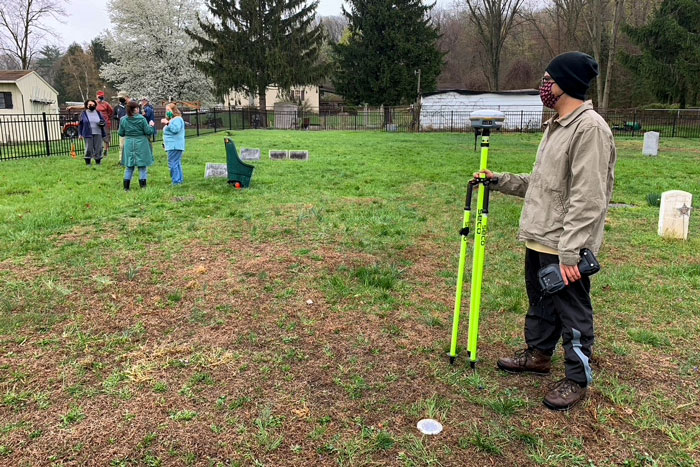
[(243, 336)]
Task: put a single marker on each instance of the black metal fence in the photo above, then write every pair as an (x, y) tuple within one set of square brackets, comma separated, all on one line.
[(34, 135)]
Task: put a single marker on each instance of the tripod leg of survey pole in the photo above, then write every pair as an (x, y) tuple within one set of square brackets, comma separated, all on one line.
[(482, 211), (460, 272)]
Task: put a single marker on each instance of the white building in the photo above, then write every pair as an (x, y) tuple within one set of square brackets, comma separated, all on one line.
[(308, 95), (448, 109), (24, 96)]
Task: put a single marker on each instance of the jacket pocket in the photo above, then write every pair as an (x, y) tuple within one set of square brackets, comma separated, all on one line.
[(543, 212)]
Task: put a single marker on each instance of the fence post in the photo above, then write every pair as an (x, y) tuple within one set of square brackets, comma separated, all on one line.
[(214, 119), (521, 121), (675, 119), (634, 121), (452, 120), (230, 121), (196, 115), (355, 122), (46, 134)]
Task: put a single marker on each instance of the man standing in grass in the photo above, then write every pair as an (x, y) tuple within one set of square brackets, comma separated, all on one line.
[(566, 200), (108, 113)]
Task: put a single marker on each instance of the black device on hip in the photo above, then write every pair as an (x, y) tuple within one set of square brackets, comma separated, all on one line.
[(551, 280)]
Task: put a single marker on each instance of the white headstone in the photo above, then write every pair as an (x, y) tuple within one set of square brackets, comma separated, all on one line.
[(299, 155), (651, 143), (248, 154), (278, 154), (674, 215), (215, 171)]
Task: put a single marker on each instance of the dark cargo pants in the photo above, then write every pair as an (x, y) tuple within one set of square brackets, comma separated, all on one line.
[(568, 314)]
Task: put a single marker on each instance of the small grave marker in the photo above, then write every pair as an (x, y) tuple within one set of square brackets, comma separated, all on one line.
[(278, 155), (674, 215), (299, 155), (215, 171), (248, 154), (651, 143)]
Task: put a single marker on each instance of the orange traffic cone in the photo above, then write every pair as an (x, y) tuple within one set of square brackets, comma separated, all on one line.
[(72, 152)]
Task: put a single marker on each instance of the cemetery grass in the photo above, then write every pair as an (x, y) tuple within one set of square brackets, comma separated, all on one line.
[(305, 321)]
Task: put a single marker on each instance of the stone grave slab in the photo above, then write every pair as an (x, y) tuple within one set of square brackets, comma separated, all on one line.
[(299, 155), (674, 215), (278, 155), (250, 154), (651, 143), (215, 170)]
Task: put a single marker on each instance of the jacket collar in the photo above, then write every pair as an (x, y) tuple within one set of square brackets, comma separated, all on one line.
[(566, 121)]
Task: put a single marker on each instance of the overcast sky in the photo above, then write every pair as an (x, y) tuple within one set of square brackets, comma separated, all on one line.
[(83, 22)]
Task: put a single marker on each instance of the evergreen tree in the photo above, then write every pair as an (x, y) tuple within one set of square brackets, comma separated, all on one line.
[(48, 63), (249, 45), (100, 52), (669, 63), (388, 42)]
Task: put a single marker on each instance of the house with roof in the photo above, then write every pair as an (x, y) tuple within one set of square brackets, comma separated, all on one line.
[(24, 96), (450, 108), (305, 96)]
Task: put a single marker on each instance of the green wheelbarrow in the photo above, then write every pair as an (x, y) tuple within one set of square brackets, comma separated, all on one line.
[(239, 173)]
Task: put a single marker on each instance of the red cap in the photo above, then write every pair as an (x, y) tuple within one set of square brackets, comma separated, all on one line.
[(100, 93)]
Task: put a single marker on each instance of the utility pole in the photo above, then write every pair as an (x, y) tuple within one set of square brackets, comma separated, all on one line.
[(417, 72), (416, 108)]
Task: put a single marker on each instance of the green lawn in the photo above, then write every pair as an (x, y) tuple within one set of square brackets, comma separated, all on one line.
[(305, 321)]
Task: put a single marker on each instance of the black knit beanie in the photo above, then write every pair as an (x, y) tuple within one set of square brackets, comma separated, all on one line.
[(573, 73)]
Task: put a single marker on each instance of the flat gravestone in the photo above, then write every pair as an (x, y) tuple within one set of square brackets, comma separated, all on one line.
[(651, 143), (299, 155), (278, 155), (674, 215), (248, 154), (215, 171)]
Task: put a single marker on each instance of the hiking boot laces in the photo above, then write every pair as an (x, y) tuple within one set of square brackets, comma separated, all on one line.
[(521, 356), (565, 387)]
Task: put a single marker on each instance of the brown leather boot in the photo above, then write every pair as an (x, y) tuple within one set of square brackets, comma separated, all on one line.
[(527, 361), (564, 395)]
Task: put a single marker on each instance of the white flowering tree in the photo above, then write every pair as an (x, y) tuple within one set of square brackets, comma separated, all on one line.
[(151, 50)]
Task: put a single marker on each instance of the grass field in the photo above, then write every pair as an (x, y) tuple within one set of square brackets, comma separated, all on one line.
[(305, 321)]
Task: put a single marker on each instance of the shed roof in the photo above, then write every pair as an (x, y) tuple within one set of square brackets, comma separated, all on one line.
[(469, 92), (13, 75)]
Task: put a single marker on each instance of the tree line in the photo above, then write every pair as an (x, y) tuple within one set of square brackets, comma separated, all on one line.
[(378, 52)]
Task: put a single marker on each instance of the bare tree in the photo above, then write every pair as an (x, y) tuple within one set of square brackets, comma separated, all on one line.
[(618, 14), (23, 27), (79, 67), (494, 20), (334, 27)]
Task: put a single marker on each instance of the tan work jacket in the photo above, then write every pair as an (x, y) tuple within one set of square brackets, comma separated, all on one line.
[(568, 192)]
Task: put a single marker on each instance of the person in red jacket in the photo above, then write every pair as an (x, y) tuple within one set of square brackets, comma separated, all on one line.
[(107, 112)]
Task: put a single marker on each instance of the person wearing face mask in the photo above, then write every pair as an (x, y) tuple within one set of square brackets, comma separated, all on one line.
[(565, 202), (174, 141), (108, 113), (92, 129)]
